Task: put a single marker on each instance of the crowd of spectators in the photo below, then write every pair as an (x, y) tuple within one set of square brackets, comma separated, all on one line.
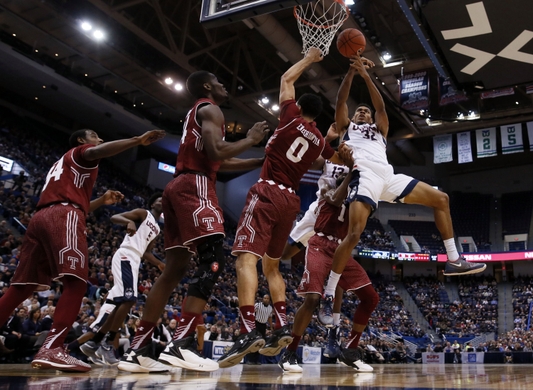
[(522, 298)]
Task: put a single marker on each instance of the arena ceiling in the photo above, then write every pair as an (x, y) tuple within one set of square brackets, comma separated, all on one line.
[(147, 41)]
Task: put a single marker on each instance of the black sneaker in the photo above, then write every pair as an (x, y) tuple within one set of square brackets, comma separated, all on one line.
[(463, 267), (280, 339), (245, 344), (184, 354), (141, 360), (354, 358), (289, 362), (332, 349)]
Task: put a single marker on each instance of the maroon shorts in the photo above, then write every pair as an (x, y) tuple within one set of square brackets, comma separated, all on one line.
[(266, 220), (318, 262), (191, 211), (54, 245)]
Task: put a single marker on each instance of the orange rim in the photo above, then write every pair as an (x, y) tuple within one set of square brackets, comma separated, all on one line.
[(306, 22)]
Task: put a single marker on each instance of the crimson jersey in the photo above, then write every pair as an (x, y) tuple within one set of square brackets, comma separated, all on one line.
[(192, 156), (293, 147), (331, 220), (71, 179)]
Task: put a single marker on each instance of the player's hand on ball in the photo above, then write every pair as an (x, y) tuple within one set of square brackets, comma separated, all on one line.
[(258, 132)]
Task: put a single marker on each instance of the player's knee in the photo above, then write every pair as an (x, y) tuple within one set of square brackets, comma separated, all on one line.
[(311, 301), (353, 237), (371, 301), (270, 267), (211, 263)]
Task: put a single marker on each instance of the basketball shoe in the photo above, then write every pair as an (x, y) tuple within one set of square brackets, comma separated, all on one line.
[(332, 349), (280, 339), (245, 343), (106, 353), (353, 357), (325, 314), (463, 267), (58, 359), (184, 354), (141, 360), (289, 362)]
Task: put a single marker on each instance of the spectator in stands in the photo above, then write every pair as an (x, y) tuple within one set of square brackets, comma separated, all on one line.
[(18, 181)]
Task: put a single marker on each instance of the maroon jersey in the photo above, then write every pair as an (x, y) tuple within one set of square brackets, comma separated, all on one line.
[(192, 156), (70, 180), (293, 148), (332, 220)]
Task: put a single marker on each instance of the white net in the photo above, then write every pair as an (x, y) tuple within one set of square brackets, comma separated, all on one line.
[(318, 22)]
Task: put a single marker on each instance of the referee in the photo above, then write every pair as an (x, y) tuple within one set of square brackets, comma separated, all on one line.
[(263, 314)]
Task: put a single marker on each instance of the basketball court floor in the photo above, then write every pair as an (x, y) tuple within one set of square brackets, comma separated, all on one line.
[(269, 376)]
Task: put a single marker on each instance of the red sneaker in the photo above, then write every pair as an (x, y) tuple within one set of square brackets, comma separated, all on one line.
[(58, 359)]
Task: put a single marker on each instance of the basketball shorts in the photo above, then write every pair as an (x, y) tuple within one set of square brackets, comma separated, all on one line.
[(304, 228), (191, 210), (377, 182), (125, 268), (54, 245), (106, 309), (266, 220), (318, 262)]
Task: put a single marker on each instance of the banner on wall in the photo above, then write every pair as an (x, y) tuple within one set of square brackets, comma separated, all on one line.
[(512, 138), (486, 142), (497, 93), (472, 357), (530, 134), (442, 148), (464, 148), (448, 94), (220, 347), (311, 355), (433, 357), (414, 91)]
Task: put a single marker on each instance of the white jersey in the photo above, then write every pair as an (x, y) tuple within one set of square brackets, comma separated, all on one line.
[(146, 233), (367, 143), (330, 173)]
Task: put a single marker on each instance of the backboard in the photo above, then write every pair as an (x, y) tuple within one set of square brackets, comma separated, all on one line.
[(217, 13)]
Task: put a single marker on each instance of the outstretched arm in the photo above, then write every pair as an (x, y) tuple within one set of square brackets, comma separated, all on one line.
[(108, 149), (217, 149), (110, 197), (342, 115), (240, 164), (129, 218), (288, 79), (382, 120)]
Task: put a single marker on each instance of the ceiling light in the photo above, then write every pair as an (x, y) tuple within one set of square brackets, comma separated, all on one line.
[(178, 87), (36, 98), (349, 2), (14, 34), (44, 86), (86, 26), (57, 55), (275, 107), (98, 35), (265, 100), (387, 56), (517, 103), (168, 81)]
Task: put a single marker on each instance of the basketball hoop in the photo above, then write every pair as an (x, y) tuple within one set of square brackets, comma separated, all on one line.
[(318, 22)]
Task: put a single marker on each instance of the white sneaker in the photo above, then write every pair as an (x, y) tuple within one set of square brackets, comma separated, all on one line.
[(184, 354), (353, 358), (289, 362), (141, 361)]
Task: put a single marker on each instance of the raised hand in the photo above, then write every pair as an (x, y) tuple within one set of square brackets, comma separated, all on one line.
[(314, 54), (112, 197), (152, 136), (257, 132), (360, 64)]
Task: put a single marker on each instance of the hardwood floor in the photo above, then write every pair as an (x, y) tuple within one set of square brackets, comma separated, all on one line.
[(323, 377)]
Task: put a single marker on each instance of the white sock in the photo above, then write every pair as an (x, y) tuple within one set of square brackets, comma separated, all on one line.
[(332, 283), (451, 249), (336, 319)]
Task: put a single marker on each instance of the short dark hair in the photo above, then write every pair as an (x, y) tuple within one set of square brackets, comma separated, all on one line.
[(196, 81), (153, 198), (311, 105), (73, 140), (367, 106)]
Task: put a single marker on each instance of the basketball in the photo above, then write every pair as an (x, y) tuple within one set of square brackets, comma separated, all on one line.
[(350, 41)]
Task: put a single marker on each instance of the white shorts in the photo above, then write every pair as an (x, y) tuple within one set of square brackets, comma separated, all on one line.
[(106, 309), (377, 182), (125, 268), (304, 228)]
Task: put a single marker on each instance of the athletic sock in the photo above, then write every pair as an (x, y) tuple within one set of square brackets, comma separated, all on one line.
[(143, 335), (295, 342), (247, 314), (281, 314), (332, 283), (451, 249)]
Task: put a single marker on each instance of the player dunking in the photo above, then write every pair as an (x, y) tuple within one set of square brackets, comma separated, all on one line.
[(271, 208), (193, 224), (330, 225), (379, 183), (142, 230), (55, 245)]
